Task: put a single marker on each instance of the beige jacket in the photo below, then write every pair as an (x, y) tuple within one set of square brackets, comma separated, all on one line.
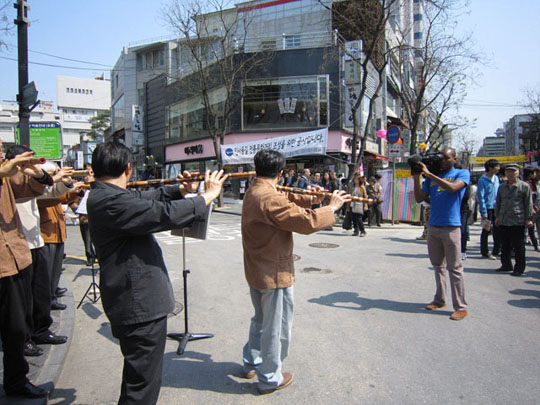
[(269, 218)]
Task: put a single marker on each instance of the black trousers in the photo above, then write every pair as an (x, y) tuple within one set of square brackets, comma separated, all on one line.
[(142, 345), (13, 331), (88, 248), (484, 236), (54, 253), (375, 214), (37, 291), (464, 230), (512, 238), (358, 224)]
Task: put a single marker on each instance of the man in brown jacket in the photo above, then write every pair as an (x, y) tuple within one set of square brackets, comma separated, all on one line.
[(15, 258), (269, 218)]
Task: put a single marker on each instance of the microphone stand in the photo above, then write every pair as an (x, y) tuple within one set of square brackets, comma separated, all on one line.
[(184, 338)]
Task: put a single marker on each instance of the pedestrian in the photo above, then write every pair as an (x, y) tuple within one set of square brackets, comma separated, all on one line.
[(445, 190), (488, 186), (135, 288), (374, 191), (529, 177), (269, 218), (514, 213), (18, 179), (357, 208), (304, 181)]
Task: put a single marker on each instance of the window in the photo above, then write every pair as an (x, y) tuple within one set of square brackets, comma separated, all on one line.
[(292, 41), (287, 102), (187, 119), (271, 44), (118, 114)]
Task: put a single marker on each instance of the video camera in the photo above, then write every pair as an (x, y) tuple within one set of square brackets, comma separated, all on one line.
[(432, 160)]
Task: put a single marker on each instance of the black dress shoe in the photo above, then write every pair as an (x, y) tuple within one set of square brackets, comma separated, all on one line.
[(50, 339), (28, 390), (59, 292), (515, 274), (58, 306), (31, 350), (500, 269)]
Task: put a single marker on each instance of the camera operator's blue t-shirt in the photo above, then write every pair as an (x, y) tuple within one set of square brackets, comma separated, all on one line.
[(445, 205)]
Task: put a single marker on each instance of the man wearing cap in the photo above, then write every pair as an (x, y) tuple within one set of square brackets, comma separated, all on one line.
[(513, 212)]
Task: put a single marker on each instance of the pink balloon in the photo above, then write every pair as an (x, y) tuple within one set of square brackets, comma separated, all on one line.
[(381, 133)]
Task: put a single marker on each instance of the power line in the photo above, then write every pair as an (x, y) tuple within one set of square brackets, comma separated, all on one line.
[(63, 58)]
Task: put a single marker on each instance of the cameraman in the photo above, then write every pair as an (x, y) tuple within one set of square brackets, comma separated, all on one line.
[(444, 228)]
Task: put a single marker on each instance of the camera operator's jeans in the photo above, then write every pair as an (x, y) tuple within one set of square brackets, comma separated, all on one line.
[(444, 242)]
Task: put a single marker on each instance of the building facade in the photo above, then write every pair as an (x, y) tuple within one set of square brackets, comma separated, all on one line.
[(9, 118), (78, 100)]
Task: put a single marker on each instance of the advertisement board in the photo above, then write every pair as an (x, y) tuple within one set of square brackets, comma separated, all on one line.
[(45, 139)]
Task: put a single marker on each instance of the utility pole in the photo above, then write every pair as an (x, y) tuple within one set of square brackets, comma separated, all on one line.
[(23, 98)]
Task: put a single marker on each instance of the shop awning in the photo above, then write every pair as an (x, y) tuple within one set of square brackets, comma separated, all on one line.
[(396, 121), (377, 156)]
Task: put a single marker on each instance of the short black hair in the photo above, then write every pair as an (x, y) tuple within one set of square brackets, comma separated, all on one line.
[(110, 159), (490, 164), (15, 150), (268, 163)]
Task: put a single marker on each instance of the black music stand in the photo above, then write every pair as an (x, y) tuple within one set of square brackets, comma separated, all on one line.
[(187, 336), (95, 290)]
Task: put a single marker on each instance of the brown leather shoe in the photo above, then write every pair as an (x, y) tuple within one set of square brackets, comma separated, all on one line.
[(250, 374), (459, 315), (287, 380), (433, 305)]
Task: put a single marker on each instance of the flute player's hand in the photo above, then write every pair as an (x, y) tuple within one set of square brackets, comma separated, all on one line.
[(338, 199), (213, 182)]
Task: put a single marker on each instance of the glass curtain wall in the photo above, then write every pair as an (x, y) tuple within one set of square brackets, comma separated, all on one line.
[(285, 103)]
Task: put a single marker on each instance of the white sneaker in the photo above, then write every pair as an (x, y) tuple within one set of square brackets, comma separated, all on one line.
[(464, 256)]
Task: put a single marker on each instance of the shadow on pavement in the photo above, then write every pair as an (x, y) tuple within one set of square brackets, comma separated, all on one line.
[(403, 240), (83, 271), (198, 371), (64, 396), (526, 302), (91, 310), (412, 256), (482, 270), (342, 298), (105, 330)]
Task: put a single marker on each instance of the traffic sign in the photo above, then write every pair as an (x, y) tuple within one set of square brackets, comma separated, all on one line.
[(392, 134), (394, 151)]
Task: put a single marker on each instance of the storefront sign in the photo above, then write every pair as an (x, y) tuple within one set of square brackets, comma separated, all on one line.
[(305, 143), (194, 149), (500, 159), (45, 139)]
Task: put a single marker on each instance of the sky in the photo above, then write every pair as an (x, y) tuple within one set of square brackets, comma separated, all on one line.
[(506, 32)]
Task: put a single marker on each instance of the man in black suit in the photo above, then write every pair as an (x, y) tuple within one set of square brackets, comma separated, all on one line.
[(135, 287)]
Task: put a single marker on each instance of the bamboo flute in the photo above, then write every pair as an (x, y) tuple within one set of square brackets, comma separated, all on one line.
[(33, 161), (317, 193), (196, 176)]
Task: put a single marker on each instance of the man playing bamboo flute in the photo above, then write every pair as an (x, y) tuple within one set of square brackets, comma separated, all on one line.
[(135, 287), (269, 218)]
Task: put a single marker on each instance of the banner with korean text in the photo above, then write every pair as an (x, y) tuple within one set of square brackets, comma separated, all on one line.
[(305, 143)]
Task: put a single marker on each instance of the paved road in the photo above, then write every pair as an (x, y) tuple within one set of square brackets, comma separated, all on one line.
[(360, 332)]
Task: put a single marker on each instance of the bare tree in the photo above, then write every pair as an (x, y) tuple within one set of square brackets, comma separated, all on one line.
[(444, 61), (5, 25), (531, 129), (217, 59), (365, 20), (465, 144)]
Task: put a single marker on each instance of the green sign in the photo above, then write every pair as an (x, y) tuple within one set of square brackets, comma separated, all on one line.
[(45, 139)]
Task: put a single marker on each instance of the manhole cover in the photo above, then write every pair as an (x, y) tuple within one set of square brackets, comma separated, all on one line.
[(324, 245), (315, 270), (295, 257)]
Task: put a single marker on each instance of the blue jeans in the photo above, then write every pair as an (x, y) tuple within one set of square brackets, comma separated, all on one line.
[(269, 334)]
